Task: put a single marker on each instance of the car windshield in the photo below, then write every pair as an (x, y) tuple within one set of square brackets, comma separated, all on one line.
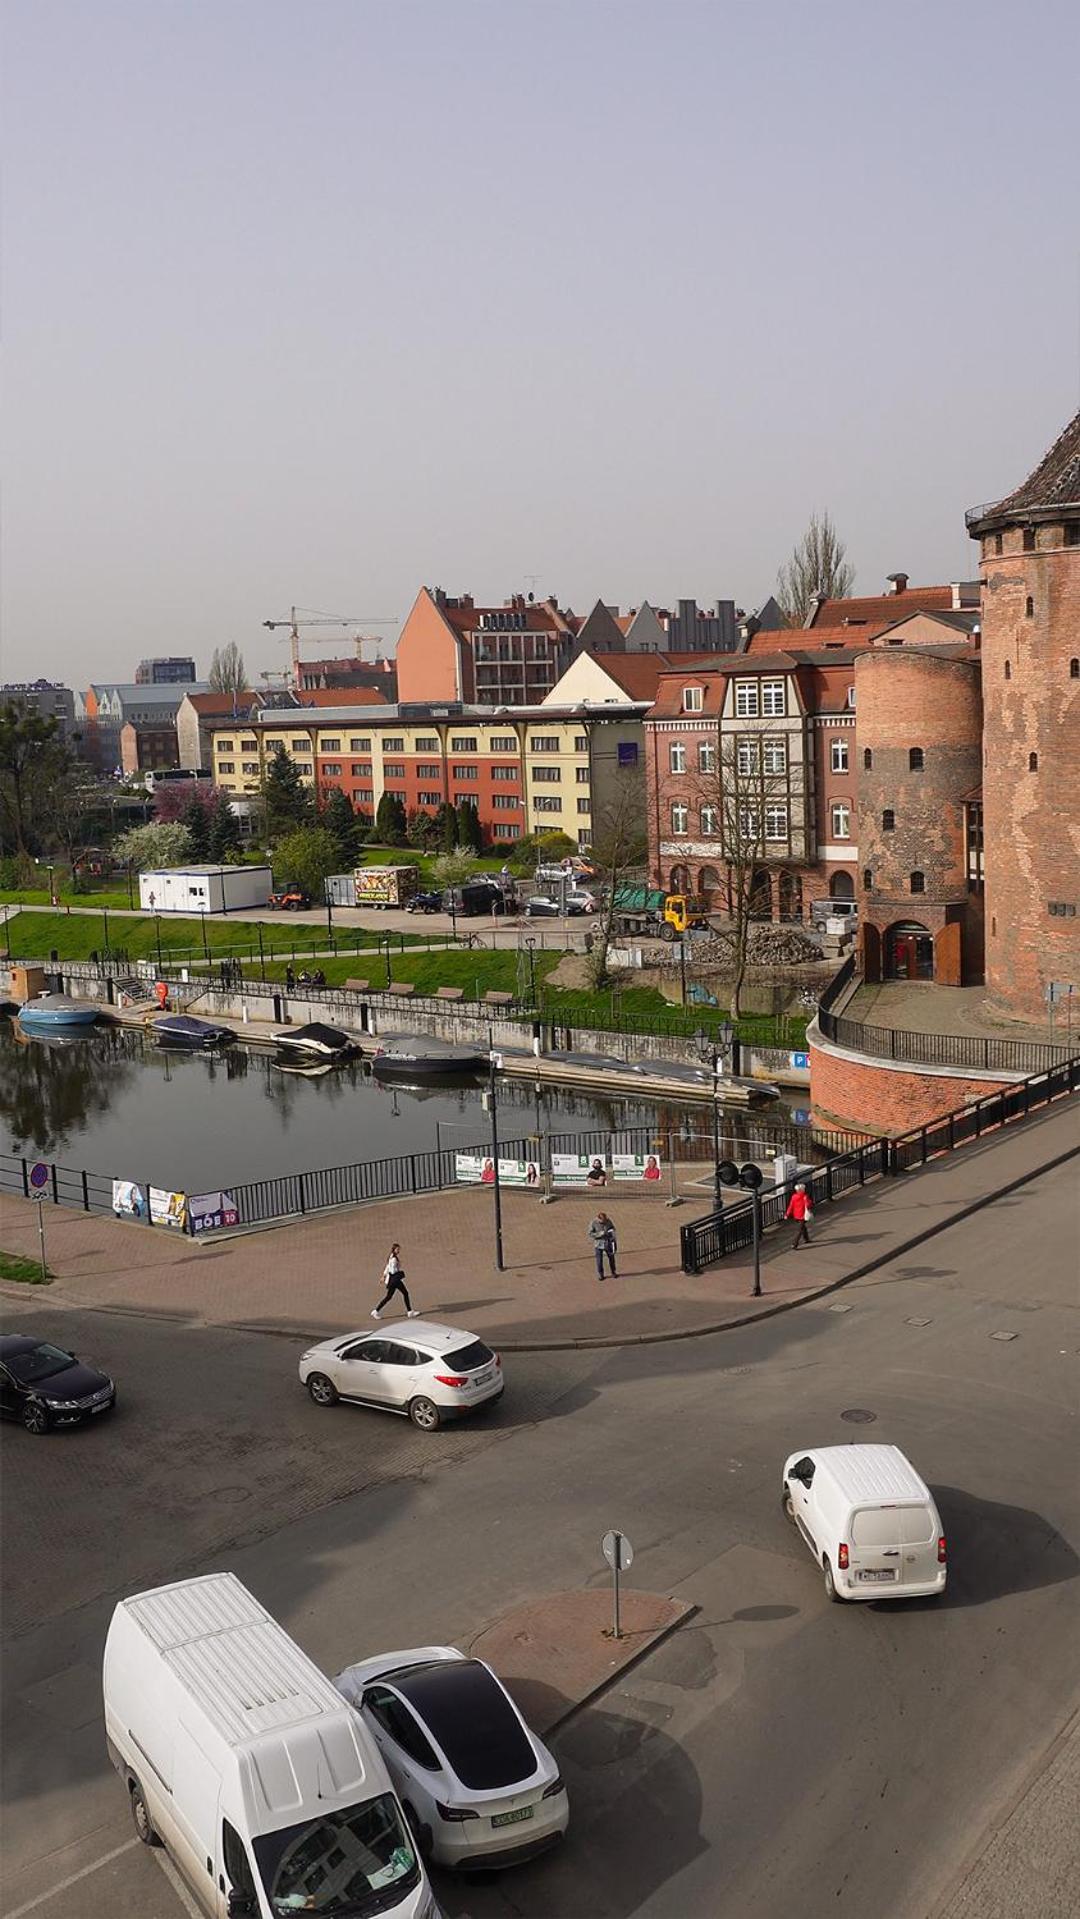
[(41, 1362), (468, 1359), (346, 1865)]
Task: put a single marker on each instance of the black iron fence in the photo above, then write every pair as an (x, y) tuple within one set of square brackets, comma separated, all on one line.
[(705, 1241), (933, 1049)]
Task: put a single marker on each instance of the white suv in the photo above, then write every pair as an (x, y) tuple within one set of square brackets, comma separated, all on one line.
[(428, 1372)]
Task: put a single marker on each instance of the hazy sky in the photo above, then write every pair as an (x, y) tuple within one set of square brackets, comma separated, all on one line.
[(316, 301)]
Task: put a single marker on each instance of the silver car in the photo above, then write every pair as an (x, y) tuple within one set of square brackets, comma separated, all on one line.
[(428, 1372)]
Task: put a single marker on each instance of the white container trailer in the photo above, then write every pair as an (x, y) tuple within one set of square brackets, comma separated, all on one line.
[(204, 889)]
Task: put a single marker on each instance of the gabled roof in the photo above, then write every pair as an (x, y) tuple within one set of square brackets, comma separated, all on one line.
[(772, 639), (881, 607), (639, 674), (209, 705), (1054, 484)]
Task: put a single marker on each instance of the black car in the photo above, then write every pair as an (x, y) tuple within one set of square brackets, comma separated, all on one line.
[(425, 903), (44, 1386)]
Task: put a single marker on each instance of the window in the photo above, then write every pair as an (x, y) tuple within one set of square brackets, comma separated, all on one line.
[(361, 769), (1071, 533), (429, 799), (888, 820), (236, 1862), (746, 699), (1060, 910), (547, 775), (974, 825), (546, 803), (393, 771), (838, 756), (301, 746), (867, 759), (867, 879), (503, 743), (396, 1719), (331, 769), (465, 772), (746, 757), (1029, 539), (710, 822), (998, 543), (426, 745), (226, 766), (330, 746), (249, 746), (693, 699), (226, 746), (841, 821), (706, 757), (504, 802), (584, 806), (1074, 669), (1008, 670), (581, 743), (680, 819), (1029, 608), (463, 743), (775, 756), (851, 696), (391, 794), (251, 769), (504, 774), (1033, 762), (748, 824), (628, 752), (776, 822), (581, 774), (544, 743), (773, 698), (915, 759), (677, 757), (917, 882), (429, 771), (360, 746), (396, 745)]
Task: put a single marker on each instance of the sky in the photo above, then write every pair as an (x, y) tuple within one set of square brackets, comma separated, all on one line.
[(314, 302)]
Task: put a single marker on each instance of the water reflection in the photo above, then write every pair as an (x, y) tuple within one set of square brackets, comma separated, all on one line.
[(53, 1086)]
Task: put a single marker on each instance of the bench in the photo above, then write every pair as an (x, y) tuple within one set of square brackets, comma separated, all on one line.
[(357, 986), (498, 999), (449, 992), (402, 987)]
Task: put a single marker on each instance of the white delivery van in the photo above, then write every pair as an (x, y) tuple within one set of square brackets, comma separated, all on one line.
[(869, 1521), (243, 1760)]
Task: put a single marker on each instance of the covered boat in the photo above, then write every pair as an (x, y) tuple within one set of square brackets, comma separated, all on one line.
[(410, 1060), (180, 1029), (315, 1041), (55, 1012)]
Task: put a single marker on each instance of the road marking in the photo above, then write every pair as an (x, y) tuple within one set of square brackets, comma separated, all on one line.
[(177, 1884), (73, 1879)]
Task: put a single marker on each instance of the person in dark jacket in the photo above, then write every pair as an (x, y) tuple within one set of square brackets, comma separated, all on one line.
[(602, 1235)]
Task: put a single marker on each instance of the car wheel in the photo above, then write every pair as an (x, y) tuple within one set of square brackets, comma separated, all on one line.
[(830, 1583), (35, 1418), (789, 1509), (425, 1414), (322, 1390), (144, 1826)]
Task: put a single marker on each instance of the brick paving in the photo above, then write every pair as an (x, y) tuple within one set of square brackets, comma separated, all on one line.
[(960, 1010), (321, 1275)]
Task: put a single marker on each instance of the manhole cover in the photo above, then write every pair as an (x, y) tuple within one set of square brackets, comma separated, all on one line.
[(858, 1416)]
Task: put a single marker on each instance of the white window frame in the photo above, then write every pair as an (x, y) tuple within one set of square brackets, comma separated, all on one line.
[(677, 757), (748, 823), (747, 700), (839, 756), (680, 820), (840, 820), (747, 759), (774, 756), (710, 823), (706, 756), (693, 699), (777, 823), (774, 699)]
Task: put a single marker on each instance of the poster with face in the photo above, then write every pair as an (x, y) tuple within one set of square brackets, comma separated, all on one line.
[(128, 1200)]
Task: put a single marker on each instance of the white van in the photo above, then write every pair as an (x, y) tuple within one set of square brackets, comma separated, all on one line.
[(244, 1761), (869, 1521)]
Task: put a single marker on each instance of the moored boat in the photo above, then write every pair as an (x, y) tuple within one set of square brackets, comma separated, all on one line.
[(181, 1029), (315, 1040), (53, 1012), (413, 1061)]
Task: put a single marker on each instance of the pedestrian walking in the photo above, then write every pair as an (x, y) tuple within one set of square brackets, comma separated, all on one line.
[(801, 1207), (602, 1234), (290, 978), (394, 1281)]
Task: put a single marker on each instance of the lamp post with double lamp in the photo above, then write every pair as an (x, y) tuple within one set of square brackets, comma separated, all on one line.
[(707, 1049), (749, 1177), (494, 1065)]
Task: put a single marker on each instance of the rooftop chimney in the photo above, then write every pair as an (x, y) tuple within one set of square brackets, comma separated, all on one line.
[(898, 582)]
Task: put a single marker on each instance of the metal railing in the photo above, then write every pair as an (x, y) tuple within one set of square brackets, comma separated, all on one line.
[(705, 1241), (981, 1055)]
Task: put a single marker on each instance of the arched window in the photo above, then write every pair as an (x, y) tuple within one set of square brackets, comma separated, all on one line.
[(915, 759), (918, 882), (1074, 669), (1029, 608), (1008, 671), (888, 820), (867, 878), (1033, 762), (867, 759)]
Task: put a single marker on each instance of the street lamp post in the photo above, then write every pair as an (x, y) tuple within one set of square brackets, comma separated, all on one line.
[(389, 937), (157, 936), (530, 945), (329, 915), (131, 889), (262, 953), (707, 1049), (682, 966), (495, 1061), (105, 917), (749, 1177)]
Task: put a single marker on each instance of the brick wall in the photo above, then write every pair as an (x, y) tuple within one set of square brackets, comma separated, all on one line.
[(882, 1099), (1031, 816)]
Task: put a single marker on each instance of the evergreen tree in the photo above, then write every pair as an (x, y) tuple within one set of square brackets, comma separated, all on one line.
[(288, 801), (421, 830), (339, 820), (224, 830), (195, 818), (468, 825), (446, 827), (390, 821)]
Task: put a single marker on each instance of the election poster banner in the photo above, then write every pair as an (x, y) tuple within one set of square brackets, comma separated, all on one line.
[(209, 1211), (476, 1169), (168, 1209), (578, 1169), (128, 1200), (637, 1166)]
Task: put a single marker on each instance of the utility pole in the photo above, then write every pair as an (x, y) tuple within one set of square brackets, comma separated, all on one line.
[(495, 1062)]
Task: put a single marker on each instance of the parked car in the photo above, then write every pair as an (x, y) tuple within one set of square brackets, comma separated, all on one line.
[(869, 1521), (291, 899), (429, 1373), (44, 1386), (571, 907), (478, 1788), (425, 903), (579, 899), (477, 897)]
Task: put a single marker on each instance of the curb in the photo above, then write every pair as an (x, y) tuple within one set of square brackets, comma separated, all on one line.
[(1001, 1818), (603, 1685)]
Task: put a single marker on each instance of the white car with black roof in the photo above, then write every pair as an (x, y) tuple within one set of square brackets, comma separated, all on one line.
[(427, 1372), (479, 1789)]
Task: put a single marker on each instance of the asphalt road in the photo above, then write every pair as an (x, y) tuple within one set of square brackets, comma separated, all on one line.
[(778, 1756)]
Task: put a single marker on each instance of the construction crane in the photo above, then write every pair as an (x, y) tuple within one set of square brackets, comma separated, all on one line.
[(299, 617)]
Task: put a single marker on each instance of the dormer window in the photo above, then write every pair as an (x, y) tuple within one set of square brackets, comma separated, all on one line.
[(693, 699)]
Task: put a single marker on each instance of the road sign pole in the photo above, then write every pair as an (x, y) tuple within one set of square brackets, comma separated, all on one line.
[(619, 1554), (41, 1241), (615, 1578)]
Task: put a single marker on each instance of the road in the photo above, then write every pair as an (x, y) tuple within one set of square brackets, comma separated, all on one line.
[(778, 1756)]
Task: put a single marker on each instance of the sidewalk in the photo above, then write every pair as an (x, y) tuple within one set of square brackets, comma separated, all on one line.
[(321, 1275)]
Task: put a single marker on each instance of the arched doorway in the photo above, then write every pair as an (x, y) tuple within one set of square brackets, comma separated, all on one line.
[(909, 951), (709, 886), (760, 894), (680, 879), (791, 896), (841, 887)]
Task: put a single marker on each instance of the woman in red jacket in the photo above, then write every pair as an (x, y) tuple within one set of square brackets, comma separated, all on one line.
[(800, 1207)]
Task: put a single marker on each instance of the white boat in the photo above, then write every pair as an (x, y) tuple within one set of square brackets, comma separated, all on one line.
[(317, 1040)]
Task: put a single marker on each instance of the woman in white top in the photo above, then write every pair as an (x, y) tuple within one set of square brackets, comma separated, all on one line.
[(394, 1281)]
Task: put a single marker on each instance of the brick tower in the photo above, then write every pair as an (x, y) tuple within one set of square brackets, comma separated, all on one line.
[(1030, 566)]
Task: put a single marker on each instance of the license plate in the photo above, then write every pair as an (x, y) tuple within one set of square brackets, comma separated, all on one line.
[(512, 1818), (876, 1578), (103, 1408), (483, 1379)]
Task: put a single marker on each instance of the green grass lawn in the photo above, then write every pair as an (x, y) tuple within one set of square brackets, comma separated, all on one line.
[(477, 972), (26, 1271), (35, 935), (116, 894)]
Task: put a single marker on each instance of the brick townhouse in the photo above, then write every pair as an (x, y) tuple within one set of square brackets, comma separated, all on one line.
[(451, 649)]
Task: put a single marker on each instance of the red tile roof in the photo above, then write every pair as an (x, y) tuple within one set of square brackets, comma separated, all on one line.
[(341, 696), (211, 704), (639, 673), (883, 607), (774, 639)]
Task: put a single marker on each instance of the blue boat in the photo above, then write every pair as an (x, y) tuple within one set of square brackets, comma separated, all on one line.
[(55, 1013), (180, 1029)]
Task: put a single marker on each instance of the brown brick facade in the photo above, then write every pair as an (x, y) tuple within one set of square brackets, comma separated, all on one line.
[(876, 1098)]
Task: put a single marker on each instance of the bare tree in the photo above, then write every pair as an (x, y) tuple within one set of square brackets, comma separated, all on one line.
[(228, 673), (619, 850), (745, 802), (817, 568)]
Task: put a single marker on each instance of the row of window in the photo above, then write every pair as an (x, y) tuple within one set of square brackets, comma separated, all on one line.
[(710, 826), (916, 760), (916, 881), (995, 542)]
